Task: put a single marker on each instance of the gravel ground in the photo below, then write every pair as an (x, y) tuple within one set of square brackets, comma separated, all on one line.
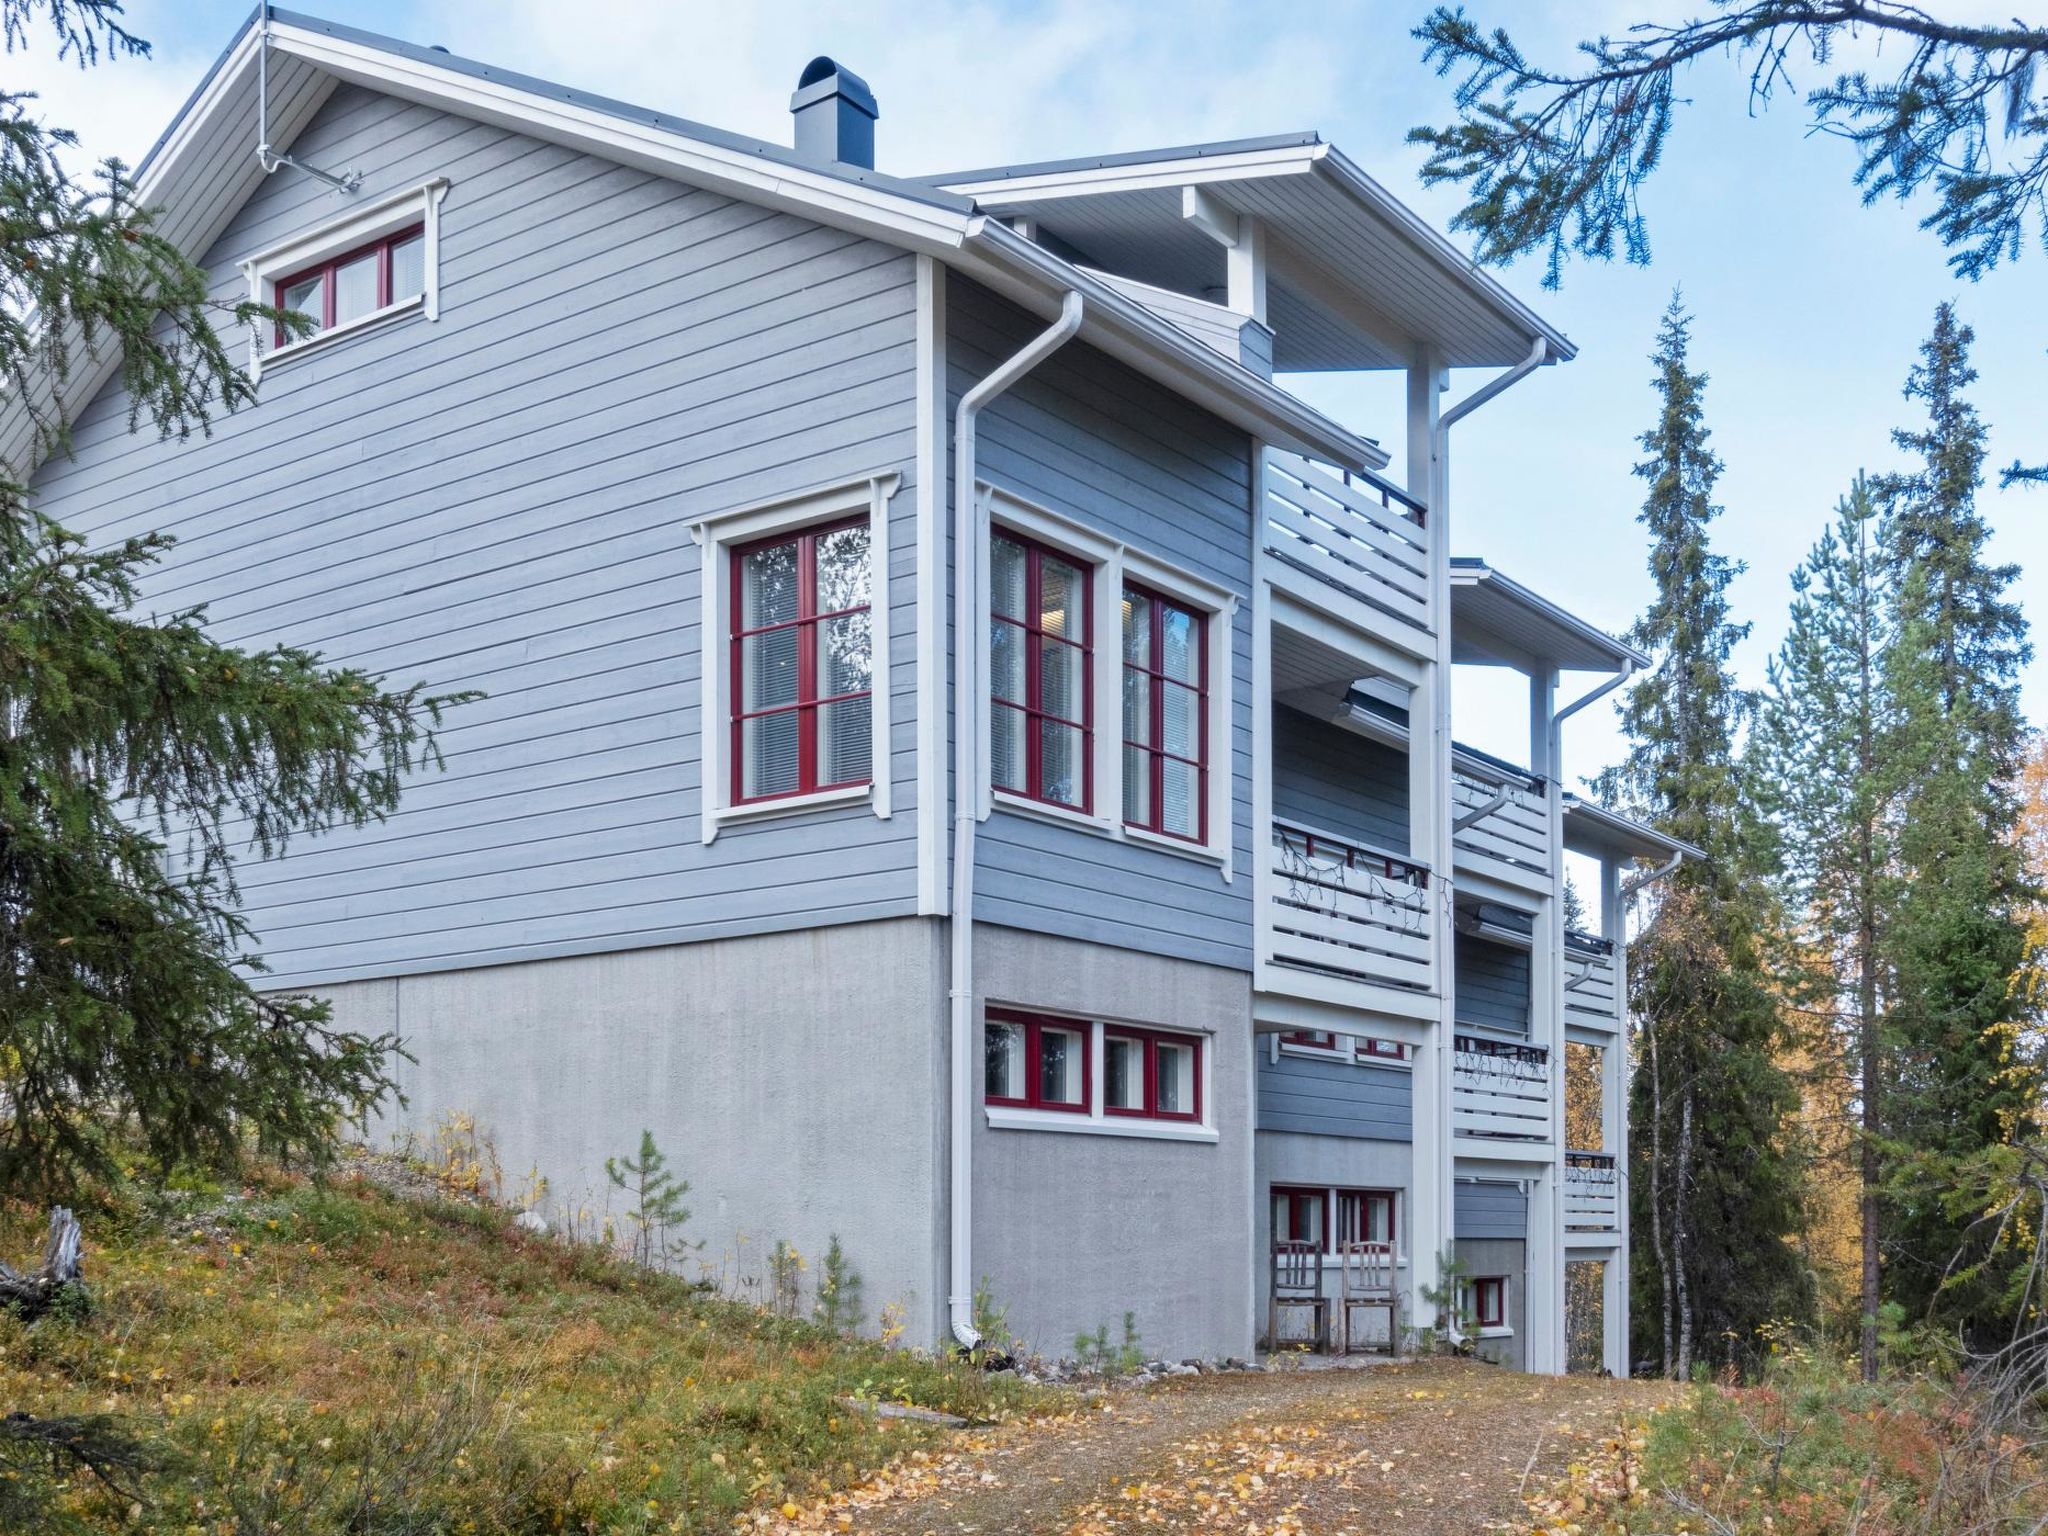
[(1430, 1449)]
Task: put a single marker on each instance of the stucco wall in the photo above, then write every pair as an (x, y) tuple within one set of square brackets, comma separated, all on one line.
[(1073, 1230), (1499, 1256), (796, 1080)]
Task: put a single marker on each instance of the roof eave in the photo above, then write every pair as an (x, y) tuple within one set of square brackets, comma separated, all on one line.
[(1469, 571), (1624, 833), (1122, 327)]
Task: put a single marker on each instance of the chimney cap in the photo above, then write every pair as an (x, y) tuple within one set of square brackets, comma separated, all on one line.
[(824, 78)]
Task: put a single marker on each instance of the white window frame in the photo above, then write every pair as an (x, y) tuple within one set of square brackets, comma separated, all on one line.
[(1097, 1122), (1111, 563), (716, 537), (361, 226)]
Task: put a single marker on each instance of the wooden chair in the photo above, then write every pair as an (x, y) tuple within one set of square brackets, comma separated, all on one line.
[(1297, 1281), (1368, 1282)]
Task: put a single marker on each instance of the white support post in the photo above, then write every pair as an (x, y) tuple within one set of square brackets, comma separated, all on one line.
[(1433, 1224), (1614, 1306), (1245, 266), (1546, 1247)]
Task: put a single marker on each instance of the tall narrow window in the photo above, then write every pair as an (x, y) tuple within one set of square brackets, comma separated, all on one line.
[(1041, 716), (1166, 716), (357, 283), (802, 663)]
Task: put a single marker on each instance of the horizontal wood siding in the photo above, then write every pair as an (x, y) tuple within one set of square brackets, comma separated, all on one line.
[(502, 500), (1334, 1098), (1492, 985), (1489, 1210), (1095, 442), (1334, 780)]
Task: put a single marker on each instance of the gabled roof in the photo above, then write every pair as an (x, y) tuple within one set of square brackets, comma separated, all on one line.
[(1495, 618), (1356, 279), (204, 167)]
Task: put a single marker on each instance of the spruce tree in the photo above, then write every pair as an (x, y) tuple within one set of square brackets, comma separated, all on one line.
[(1817, 761), (1711, 1184), (1956, 932), (138, 757)]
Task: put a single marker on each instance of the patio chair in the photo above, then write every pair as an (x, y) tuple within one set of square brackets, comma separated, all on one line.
[(1297, 1281), (1367, 1283)]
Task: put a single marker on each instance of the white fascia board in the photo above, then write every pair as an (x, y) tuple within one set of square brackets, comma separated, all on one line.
[(1125, 329), (816, 195), (1191, 170)]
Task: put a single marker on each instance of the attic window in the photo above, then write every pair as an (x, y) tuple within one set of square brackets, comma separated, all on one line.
[(375, 264)]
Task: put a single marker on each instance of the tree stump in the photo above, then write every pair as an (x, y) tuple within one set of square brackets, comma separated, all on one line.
[(32, 1293)]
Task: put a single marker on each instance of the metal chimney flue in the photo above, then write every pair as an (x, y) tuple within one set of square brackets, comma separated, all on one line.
[(835, 115)]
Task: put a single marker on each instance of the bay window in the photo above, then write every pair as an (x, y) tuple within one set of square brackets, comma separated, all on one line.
[(1041, 697), (802, 663), (1165, 716)]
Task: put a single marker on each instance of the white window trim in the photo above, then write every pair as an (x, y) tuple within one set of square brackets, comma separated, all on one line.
[(1345, 1055), (716, 535), (1112, 563), (387, 216), (1097, 1122)]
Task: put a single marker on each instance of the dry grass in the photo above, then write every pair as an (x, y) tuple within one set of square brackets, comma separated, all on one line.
[(334, 1359)]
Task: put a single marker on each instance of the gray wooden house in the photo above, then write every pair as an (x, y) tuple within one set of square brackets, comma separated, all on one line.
[(966, 757)]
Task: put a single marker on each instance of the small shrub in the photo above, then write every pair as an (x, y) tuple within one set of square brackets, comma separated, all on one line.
[(839, 1305), (785, 1279), (1095, 1352), (991, 1323)]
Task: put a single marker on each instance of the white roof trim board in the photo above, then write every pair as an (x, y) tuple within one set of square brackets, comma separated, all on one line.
[(1590, 827), (204, 167)]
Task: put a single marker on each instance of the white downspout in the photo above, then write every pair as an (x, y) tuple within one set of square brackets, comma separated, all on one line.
[(1539, 354), (967, 700)]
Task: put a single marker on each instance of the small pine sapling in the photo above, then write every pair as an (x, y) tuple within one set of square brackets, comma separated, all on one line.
[(657, 1212), (839, 1304)]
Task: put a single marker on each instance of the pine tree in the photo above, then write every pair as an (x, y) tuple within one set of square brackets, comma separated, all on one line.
[(1956, 932), (1817, 752), (138, 757), (1711, 1181)]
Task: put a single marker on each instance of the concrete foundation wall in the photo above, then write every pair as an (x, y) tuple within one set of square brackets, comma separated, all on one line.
[(796, 1080), (1073, 1230)]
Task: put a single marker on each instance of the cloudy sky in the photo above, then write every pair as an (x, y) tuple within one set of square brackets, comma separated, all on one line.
[(1809, 306)]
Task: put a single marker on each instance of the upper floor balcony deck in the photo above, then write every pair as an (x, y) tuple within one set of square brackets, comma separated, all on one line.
[(1341, 922), (1354, 546), (1592, 986), (1501, 820)]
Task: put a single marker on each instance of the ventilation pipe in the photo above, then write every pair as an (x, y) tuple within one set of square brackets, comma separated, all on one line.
[(835, 115), (968, 698)]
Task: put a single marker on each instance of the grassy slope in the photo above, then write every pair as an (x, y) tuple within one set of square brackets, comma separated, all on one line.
[(336, 1359)]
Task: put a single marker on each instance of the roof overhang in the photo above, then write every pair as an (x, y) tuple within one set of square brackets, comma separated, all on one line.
[(1496, 620), (1399, 283), (1590, 828), (204, 167)]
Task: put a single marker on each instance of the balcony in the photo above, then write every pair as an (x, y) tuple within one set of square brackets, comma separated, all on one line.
[(1591, 996), (1500, 1090), (1337, 916), (1592, 1192), (1351, 545), (1502, 819)]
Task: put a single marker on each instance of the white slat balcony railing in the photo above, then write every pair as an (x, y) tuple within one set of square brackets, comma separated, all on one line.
[(1356, 537), (1592, 1192), (1342, 909), (1590, 983), (1500, 1089), (1500, 813)]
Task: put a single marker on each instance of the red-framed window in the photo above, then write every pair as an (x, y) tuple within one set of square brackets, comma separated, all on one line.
[(1034, 1061), (1166, 716), (1041, 640), (1490, 1301), (1301, 1216), (1365, 1216), (802, 663), (1151, 1074), (357, 282), (1326, 1040)]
